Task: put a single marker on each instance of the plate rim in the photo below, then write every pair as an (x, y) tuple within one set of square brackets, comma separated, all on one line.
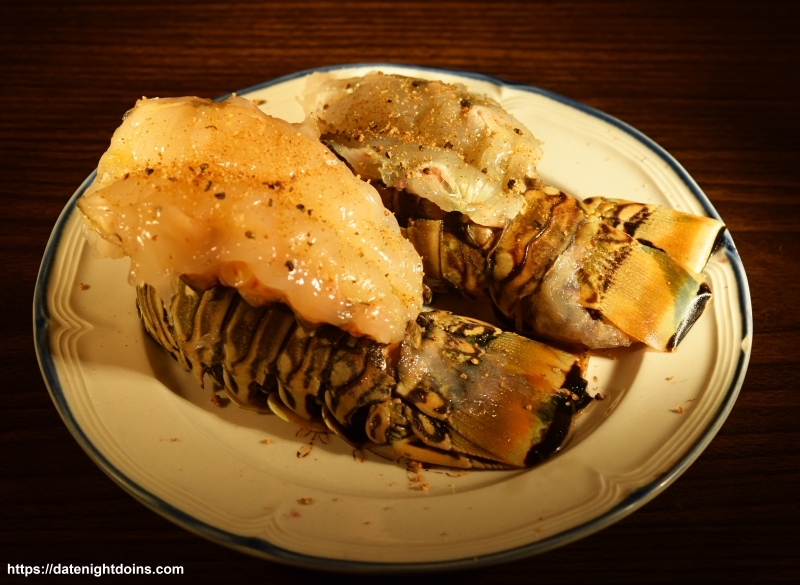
[(265, 549)]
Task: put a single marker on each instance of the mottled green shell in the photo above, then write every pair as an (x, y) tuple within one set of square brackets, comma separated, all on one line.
[(482, 398)]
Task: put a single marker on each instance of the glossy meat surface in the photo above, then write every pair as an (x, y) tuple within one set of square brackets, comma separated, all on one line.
[(222, 193), (439, 141)]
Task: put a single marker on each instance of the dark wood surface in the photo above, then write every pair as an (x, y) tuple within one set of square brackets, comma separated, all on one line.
[(715, 84)]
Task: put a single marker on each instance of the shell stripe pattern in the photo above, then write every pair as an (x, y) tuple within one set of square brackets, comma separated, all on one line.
[(603, 274), (457, 392), (638, 274)]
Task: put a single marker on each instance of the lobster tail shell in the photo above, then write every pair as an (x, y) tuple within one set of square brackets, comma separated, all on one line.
[(565, 274), (457, 392), (530, 245), (688, 239), (639, 289), (501, 397), (450, 261)]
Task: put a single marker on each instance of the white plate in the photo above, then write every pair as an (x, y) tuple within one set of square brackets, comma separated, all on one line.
[(235, 477)]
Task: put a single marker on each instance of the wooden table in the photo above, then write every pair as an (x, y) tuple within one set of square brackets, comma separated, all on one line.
[(716, 85)]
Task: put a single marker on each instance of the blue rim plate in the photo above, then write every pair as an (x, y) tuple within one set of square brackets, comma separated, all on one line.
[(664, 409)]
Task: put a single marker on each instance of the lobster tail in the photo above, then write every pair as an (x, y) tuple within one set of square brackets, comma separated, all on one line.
[(456, 392), (563, 274), (562, 270)]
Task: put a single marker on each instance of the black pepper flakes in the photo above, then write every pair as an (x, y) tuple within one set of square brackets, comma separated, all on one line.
[(219, 195), (203, 167), (208, 186), (249, 234), (448, 144), (518, 131), (300, 206), (149, 171), (290, 265), (426, 171), (511, 183)]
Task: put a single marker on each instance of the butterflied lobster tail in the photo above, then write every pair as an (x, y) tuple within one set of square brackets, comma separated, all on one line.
[(456, 392), (603, 273)]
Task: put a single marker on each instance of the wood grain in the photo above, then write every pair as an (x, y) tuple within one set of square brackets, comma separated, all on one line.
[(716, 84)]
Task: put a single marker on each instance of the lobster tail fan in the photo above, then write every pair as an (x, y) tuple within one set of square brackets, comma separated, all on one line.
[(496, 407), (639, 289), (543, 364), (688, 239)]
